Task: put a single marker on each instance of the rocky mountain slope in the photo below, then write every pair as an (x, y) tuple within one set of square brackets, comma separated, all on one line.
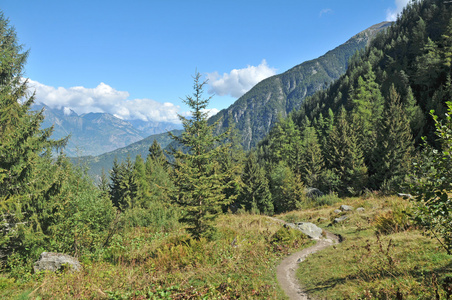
[(255, 112), (97, 133)]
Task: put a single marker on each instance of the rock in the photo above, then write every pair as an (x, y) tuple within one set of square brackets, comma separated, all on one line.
[(313, 192), (55, 261), (337, 211), (360, 209), (346, 208), (405, 196), (310, 229), (340, 219)]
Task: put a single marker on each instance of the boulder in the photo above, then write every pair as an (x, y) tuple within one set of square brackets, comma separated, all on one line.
[(346, 208), (310, 229), (340, 219), (337, 211), (50, 261), (360, 209), (313, 192)]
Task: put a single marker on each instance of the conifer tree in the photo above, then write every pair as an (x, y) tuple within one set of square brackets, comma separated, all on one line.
[(140, 183), (393, 154), (345, 157), (197, 173), (122, 187), (312, 159), (255, 194)]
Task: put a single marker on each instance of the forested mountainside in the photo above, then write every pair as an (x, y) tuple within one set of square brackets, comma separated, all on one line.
[(105, 161), (362, 132), (259, 109), (97, 133)]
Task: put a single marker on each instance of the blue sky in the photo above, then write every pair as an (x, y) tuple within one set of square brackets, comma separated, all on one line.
[(136, 58)]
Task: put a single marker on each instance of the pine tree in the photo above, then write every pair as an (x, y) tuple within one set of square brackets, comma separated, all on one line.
[(122, 187), (345, 157), (255, 194), (140, 183), (312, 159), (197, 173), (393, 154)]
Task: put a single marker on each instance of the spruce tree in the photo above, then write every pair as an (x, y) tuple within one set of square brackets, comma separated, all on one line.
[(344, 156), (255, 195), (393, 153), (312, 159), (197, 173)]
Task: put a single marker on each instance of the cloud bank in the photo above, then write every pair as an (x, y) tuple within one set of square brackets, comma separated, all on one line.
[(391, 14), (104, 99), (238, 81)]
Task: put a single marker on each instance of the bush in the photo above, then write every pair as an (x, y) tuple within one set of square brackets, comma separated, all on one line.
[(433, 182)]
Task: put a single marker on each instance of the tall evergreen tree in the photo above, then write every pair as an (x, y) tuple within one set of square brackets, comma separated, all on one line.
[(345, 157), (393, 153), (197, 172), (312, 159), (255, 194)]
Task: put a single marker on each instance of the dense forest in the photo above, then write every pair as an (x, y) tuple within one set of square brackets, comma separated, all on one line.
[(362, 134)]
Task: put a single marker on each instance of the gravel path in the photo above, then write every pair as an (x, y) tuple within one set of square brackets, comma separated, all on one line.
[(286, 270)]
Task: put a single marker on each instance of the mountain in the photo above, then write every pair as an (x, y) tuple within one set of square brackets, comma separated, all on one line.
[(104, 161), (97, 133), (257, 111)]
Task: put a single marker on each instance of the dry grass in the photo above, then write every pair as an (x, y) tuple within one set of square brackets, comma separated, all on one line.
[(240, 262)]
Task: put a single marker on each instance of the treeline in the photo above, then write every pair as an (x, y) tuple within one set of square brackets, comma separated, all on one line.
[(363, 131)]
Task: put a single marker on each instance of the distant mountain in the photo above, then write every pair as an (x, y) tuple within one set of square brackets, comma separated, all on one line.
[(105, 161), (257, 111), (97, 133)]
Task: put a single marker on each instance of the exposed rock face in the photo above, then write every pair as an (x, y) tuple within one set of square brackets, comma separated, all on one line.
[(310, 229), (50, 261)]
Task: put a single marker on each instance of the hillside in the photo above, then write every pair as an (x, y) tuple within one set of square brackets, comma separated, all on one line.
[(105, 161), (258, 110)]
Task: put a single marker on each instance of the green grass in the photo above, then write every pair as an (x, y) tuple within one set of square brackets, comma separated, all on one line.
[(371, 265), (383, 256), (239, 262)]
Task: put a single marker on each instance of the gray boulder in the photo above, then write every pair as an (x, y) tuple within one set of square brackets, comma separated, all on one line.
[(346, 208), (51, 261), (360, 209), (340, 219), (337, 211), (310, 229)]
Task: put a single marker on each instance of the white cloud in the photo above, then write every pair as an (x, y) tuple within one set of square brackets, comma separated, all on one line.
[(238, 81), (105, 99), (211, 112), (391, 13), (325, 11)]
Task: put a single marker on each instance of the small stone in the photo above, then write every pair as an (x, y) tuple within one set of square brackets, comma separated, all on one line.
[(51, 261), (346, 208), (360, 209), (337, 211), (340, 219)]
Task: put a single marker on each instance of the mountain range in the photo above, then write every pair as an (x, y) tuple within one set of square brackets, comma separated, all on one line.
[(254, 113), (97, 133)]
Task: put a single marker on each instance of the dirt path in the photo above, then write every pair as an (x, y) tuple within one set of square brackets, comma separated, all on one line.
[(286, 270)]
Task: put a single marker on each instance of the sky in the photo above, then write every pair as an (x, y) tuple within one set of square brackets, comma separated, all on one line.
[(136, 59)]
